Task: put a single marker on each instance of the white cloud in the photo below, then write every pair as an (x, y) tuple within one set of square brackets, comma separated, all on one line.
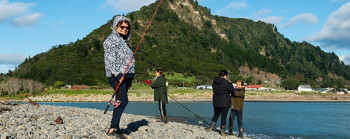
[(4, 68), (237, 5), (59, 23), (126, 5), (302, 18), (276, 20), (9, 10), (345, 59), (262, 13), (11, 59), (233, 5), (336, 31), (27, 20)]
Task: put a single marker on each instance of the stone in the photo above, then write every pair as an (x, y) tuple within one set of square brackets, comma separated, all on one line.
[(59, 120)]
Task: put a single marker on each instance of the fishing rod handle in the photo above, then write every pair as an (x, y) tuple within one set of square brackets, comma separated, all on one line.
[(107, 108), (109, 103)]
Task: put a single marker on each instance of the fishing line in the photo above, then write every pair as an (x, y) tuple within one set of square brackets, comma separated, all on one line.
[(115, 92), (189, 110)]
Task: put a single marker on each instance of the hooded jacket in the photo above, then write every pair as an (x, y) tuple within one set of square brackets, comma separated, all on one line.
[(117, 53), (223, 90), (160, 90), (237, 99)]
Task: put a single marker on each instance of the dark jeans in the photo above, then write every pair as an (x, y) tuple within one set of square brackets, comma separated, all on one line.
[(162, 109), (122, 95), (233, 114), (220, 111)]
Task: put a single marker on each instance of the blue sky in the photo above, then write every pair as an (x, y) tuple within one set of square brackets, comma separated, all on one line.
[(31, 27)]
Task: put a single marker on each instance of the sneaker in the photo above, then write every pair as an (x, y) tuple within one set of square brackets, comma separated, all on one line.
[(113, 134), (116, 134)]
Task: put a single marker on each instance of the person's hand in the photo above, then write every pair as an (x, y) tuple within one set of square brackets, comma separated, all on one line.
[(121, 79), (148, 82)]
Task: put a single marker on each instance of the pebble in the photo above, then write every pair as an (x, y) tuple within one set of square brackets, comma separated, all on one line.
[(28, 121)]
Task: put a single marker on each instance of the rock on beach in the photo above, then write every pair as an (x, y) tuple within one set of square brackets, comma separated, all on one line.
[(28, 121)]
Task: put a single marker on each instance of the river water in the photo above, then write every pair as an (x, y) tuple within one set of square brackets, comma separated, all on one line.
[(260, 119)]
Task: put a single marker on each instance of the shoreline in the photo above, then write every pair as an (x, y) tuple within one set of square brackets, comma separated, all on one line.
[(251, 96), (194, 100), (28, 121)]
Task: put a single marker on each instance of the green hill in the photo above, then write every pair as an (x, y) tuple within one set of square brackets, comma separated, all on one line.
[(186, 38)]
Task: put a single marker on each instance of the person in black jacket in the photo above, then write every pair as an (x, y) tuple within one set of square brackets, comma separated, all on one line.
[(222, 89)]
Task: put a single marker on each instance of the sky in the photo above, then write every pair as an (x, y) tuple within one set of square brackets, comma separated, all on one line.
[(31, 27)]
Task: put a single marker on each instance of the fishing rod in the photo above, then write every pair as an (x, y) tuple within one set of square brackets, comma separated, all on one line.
[(115, 92), (189, 110), (200, 122)]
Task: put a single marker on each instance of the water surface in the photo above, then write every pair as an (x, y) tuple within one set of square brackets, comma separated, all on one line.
[(260, 119)]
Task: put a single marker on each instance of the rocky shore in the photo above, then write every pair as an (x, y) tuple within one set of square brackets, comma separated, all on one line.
[(29, 121)]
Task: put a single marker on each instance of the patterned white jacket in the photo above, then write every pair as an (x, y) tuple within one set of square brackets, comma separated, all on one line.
[(117, 53)]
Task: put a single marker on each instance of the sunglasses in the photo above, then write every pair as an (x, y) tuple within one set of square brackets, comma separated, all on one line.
[(123, 27)]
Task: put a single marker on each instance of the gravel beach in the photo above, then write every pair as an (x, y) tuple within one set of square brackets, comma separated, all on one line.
[(29, 121)]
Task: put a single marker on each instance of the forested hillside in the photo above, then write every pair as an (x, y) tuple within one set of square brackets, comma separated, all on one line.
[(186, 38)]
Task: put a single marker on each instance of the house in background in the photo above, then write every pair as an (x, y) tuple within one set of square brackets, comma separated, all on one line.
[(253, 87), (204, 87), (208, 86), (304, 88)]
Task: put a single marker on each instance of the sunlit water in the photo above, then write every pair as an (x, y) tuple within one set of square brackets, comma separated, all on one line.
[(260, 119)]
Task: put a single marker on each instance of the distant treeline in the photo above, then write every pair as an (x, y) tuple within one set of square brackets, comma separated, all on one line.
[(15, 86)]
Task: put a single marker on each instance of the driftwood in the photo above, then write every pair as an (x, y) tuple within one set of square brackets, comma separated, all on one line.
[(33, 102), (59, 120), (11, 104), (4, 109)]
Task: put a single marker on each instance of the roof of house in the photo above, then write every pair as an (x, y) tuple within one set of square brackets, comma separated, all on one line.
[(254, 86)]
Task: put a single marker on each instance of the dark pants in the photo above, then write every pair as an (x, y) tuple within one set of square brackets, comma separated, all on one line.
[(233, 114), (220, 111), (162, 109), (122, 95)]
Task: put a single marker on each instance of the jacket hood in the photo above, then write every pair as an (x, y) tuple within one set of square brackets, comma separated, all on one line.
[(218, 80), (118, 19)]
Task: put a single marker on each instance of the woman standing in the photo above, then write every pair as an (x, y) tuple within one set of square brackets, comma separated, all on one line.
[(222, 90), (160, 93), (237, 108), (117, 55)]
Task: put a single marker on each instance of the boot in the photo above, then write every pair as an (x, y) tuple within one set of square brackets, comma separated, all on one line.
[(241, 130), (230, 130), (162, 119), (210, 128), (165, 120), (223, 133)]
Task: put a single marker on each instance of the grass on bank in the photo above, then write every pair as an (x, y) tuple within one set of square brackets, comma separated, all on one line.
[(142, 89)]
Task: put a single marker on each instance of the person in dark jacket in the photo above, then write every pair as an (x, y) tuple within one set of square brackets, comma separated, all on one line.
[(117, 55), (222, 91), (237, 108), (160, 93)]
